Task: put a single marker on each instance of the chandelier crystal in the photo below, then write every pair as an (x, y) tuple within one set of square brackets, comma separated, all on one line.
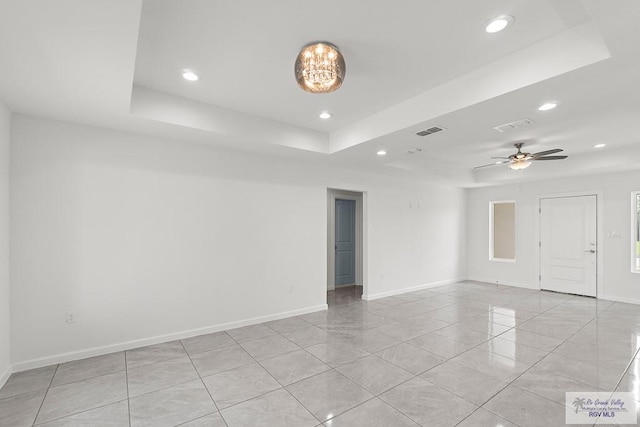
[(320, 68)]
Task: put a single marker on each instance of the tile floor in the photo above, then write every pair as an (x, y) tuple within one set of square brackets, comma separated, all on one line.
[(466, 354)]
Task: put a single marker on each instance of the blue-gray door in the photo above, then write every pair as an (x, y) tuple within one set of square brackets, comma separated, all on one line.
[(345, 242)]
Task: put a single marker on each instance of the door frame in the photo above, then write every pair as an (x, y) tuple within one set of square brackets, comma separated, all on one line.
[(359, 197), (599, 234)]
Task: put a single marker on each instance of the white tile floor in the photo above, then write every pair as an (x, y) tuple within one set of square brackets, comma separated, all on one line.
[(466, 354)]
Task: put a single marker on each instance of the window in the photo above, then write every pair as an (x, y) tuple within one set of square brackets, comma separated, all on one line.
[(502, 231), (635, 232)]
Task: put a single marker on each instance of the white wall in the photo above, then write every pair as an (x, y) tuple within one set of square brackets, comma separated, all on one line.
[(5, 332), (416, 236), (142, 238), (618, 283)]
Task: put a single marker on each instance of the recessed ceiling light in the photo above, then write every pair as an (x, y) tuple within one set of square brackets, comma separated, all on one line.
[(599, 145), (190, 75), (498, 23), (548, 106), (381, 153), (325, 115)]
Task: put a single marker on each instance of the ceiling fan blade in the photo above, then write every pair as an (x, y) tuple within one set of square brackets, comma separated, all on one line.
[(544, 153), (506, 158), (550, 158), (492, 164)]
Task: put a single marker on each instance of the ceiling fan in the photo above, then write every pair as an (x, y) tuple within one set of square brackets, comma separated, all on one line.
[(522, 160)]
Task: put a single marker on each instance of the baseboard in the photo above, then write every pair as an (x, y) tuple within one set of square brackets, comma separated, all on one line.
[(371, 297), (620, 299), (5, 376), (505, 283), (527, 286), (128, 345)]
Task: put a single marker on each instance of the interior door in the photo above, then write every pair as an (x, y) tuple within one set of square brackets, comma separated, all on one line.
[(345, 242), (568, 245)]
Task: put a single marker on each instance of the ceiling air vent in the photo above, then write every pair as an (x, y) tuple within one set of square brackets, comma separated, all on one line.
[(514, 125), (430, 131)]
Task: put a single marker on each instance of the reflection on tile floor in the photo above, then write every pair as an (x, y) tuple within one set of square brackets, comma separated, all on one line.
[(468, 354)]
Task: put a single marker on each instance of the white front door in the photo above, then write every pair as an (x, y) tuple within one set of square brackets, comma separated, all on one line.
[(568, 245)]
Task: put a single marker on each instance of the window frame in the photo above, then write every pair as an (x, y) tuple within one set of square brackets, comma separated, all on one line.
[(635, 232), (492, 231)]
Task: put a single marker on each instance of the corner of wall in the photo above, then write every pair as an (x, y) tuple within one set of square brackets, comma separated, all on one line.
[(371, 297), (504, 283), (5, 286), (98, 351), (4, 377)]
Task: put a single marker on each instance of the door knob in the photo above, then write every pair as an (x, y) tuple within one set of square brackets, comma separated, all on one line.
[(591, 251)]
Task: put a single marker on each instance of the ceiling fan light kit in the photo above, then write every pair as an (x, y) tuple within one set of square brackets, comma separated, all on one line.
[(320, 68), (520, 164)]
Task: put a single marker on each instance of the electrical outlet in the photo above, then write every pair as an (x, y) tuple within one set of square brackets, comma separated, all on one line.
[(71, 317)]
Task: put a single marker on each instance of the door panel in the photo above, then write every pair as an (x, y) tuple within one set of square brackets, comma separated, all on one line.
[(345, 230), (568, 246)]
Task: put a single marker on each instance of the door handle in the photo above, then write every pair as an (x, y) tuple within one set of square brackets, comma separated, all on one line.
[(591, 251)]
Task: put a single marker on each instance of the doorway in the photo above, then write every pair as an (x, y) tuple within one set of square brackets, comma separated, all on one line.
[(569, 244), (345, 240)]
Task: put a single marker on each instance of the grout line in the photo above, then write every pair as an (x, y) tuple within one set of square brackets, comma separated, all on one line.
[(331, 368), (80, 412), (302, 404), (527, 370), (536, 314), (282, 386), (362, 307), (518, 376), (183, 381), (377, 396), (626, 369), (201, 380), (258, 362), (45, 396), (89, 377), (202, 417), (126, 377), (492, 413)]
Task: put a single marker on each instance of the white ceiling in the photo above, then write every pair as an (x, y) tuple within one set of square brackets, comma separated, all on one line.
[(410, 65)]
